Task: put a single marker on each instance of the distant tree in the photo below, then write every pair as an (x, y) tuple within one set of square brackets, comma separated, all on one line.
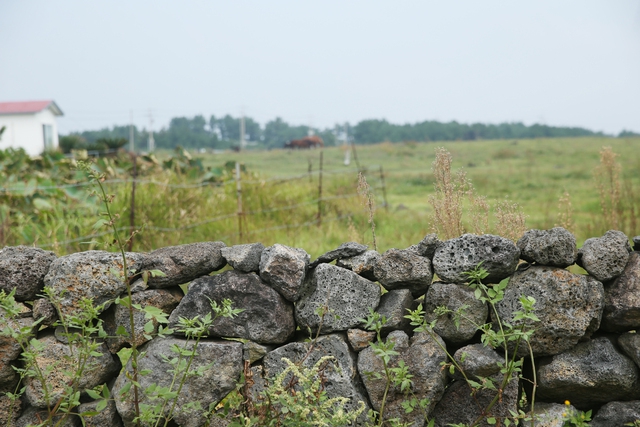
[(187, 133), (624, 134)]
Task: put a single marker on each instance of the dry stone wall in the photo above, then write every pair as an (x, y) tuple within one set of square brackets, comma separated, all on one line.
[(585, 345)]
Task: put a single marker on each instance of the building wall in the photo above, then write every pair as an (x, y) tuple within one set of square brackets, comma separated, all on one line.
[(25, 131)]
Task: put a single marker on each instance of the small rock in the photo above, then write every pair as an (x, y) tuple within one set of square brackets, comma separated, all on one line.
[(35, 417), (622, 299), (555, 247), (108, 417), (360, 339), (252, 351), (345, 296), (393, 306), (427, 246), (404, 269), (284, 269), (43, 309), (551, 414), (23, 268), (455, 257), (345, 250), (630, 345), (183, 263), (588, 375), (477, 361), (363, 264), (244, 258), (605, 257), (454, 297), (10, 410)]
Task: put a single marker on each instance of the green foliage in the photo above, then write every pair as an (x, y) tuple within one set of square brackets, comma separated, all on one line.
[(575, 418)]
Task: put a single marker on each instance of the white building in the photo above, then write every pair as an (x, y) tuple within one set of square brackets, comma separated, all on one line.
[(30, 125)]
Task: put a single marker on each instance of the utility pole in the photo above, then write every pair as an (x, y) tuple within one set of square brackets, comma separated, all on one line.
[(131, 142), (310, 127), (242, 141), (152, 144)]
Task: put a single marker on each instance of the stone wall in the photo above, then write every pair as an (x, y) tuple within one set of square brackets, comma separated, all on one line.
[(585, 346)]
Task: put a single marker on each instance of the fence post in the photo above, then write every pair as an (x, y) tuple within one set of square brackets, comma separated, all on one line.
[(132, 212), (239, 197), (384, 190), (310, 169), (355, 155), (320, 191)]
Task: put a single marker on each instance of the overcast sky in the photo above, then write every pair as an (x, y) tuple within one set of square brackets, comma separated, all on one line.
[(563, 63)]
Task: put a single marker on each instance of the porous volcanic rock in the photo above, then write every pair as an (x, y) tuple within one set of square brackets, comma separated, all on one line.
[(423, 357), (555, 247), (551, 414), (454, 297), (617, 414), (43, 309), (477, 360), (568, 305), (588, 375), (345, 250), (96, 275), (605, 257), (629, 343), (107, 417), (23, 268), (455, 257), (267, 318), (363, 264), (342, 294), (359, 339), (183, 263), (622, 299), (393, 306), (244, 258), (404, 269), (284, 269)]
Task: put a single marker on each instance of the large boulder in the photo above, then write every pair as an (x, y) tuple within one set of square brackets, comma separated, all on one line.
[(555, 247), (341, 295), (284, 269), (183, 263), (605, 257), (622, 299), (404, 269), (97, 275), (267, 318), (423, 357), (363, 264), (22, 269), (568, 305), (339, 381), (455, 257), (218, 365), (117, 316), (345, 250), (588, 375), (244, 258), (59, 359), (455, 297)]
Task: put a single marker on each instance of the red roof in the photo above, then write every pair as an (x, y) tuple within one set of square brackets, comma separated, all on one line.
[(25, 107)]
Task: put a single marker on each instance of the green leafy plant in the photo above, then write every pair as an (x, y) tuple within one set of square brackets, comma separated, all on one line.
[(574, 418)]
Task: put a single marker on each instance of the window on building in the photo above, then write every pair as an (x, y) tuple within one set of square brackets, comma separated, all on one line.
[(47, 131)]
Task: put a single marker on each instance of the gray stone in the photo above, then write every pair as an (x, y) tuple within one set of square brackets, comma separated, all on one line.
[(340, 380), (43, 309), (342, 294), (477, 361), (345, 250), (551, 414), (459, 406), (23, 268), (108, 417), (284, 269), (97, 370), (422, 355), (96, 275), (629, 343), (221, 365), (267, 317), (555, 247), (605, 257), (622, 299), (588, 375), (359, 339), (617, 414), (10, 349), (454, 297), (118, 316), (568, 305), (252, 351), (244, 258), (404, 269), (35, 417), (393, 306), (184, 263), (10, 410), (363, 264), (455, 257), (427, 246)]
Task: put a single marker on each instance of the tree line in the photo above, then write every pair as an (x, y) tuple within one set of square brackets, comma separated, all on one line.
[(224, 132)]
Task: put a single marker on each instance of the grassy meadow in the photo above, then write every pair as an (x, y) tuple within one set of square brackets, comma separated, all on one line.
[(280, 192)]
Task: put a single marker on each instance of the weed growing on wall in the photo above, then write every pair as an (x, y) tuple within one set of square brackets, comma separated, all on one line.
[(364, 190)]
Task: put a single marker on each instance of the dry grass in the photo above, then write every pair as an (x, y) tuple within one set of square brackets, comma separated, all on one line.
[(565, 212), (369, 203), (607, 176), (510, 220)]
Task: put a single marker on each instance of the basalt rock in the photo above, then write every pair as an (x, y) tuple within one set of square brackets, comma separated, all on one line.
[(617, 414), (404, 269), (622, 299), (244, 258), (363, 264), (22, 269), (393, 306), (284, 269), (555, 247), (345, 250), (605, 257)]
